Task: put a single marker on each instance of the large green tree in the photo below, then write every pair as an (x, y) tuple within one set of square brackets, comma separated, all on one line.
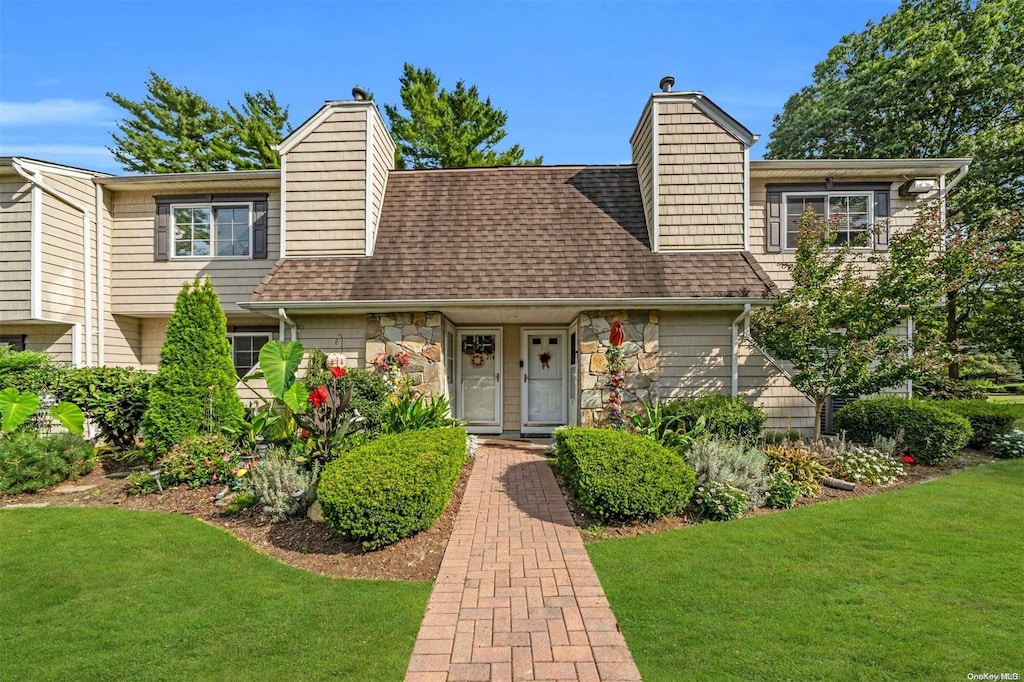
[(937, 78), (194, 389), (175, 130), (439, 128)]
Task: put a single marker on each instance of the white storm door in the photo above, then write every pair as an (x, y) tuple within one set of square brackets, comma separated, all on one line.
[(545, 389), (479, 380)]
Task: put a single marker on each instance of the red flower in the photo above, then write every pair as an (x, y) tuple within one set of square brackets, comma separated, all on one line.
[(338, 372), (617, 335), (908, 459), (319, 396)]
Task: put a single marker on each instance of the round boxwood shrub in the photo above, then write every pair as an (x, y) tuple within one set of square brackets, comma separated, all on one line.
[(988, 420), (392, 487), (930, 433), (723, 416), (619, 476)]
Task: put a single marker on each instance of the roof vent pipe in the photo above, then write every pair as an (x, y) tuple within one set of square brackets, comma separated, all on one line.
[(666, 83), (360, 95)]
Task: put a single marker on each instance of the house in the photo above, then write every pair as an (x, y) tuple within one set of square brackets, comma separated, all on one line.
[(499, 283)]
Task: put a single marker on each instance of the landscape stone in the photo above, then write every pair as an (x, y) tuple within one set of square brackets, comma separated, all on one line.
[(315, 512), (72, 489), (26, 505), (598, 363)]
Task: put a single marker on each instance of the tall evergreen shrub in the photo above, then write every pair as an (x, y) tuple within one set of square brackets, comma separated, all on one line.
[(194, 390)]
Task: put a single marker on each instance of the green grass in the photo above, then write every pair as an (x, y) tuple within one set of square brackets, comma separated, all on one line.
[(1015, 402), (921, 583), (107, 594)]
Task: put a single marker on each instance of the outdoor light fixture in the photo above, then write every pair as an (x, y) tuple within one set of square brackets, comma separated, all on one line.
[(917, 186)]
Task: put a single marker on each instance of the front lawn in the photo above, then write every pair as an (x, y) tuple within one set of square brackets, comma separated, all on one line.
[(100, 594), (919, 583)]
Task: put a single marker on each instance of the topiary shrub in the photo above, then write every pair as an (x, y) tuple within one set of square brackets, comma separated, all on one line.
[(929, 433), (619, 476), (29, 462), (392, 487), (723, 416), (988, 419), (194, 390), (114, 399)]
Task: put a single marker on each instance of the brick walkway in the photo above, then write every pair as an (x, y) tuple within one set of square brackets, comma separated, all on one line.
[(516, 597)]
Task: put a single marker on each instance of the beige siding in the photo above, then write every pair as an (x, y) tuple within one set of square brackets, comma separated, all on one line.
[(333, 334), (15, 247), (695, 353), (903, 214), (644, 165), (383, 162), (63, 293), (123, 341), (700, 181), (511, 378), (764, 385), (55, 339), (326, 186), (144, 287)]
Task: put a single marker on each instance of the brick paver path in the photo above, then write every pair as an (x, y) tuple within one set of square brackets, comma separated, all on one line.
[(517, 597)]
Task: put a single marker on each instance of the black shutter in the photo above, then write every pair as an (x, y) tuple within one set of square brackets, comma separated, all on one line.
[(161, 232), (259, 229), (880, 240), (773, 240)]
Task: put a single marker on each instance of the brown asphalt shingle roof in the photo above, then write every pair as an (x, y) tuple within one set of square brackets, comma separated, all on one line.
[(511, 233)]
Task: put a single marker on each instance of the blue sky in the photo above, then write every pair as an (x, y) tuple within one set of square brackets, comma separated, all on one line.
[(573, 76)]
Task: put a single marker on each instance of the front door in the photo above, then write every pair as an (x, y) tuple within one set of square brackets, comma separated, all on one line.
[(479, 380), (545, 390)]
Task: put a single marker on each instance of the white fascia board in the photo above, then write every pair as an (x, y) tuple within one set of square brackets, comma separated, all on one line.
[(311, 124), (712, 111), (746, 198), (55, 168)]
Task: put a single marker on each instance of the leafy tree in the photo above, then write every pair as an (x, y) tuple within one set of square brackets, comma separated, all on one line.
[(194, 389), (937, 78), (448, 128), (834, 323), (175, 130)]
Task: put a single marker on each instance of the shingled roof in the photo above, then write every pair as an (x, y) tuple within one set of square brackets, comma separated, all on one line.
[(546, 232)]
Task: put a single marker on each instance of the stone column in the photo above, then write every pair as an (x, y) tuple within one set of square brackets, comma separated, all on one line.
[(419, 335), (642, 356)]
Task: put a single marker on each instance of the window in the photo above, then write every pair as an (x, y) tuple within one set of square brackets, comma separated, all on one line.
[(449, 361), (12, 341), (852, 213), (245, 349), (211, 230)]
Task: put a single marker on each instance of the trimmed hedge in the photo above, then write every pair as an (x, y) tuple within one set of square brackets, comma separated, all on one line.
[(723, 416), (988, 420), (619, 476), (930, 433), (113, 398), (392, 487)]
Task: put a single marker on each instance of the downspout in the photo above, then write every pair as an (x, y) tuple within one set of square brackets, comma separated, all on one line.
[(910, 353), (39, 186), (100, 288), (736, 349), (282, 316)]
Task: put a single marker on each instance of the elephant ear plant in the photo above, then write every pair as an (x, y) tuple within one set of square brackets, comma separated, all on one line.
[(17, 407)]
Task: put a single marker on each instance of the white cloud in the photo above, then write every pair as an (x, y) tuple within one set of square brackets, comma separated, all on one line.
[(54, 111)]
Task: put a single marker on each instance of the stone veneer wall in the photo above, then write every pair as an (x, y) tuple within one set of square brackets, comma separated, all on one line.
[(420, 336), (643, 368)]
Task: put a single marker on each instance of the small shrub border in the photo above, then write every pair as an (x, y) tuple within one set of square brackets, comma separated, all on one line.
[(866, 465), (988, 419), (394, 486), (720, 501), (929, 433), (782, 492), (29, 462), (800, 464), (724, 416), (620, 476)]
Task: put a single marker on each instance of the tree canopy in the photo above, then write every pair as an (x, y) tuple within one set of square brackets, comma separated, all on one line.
[(937, 78), (175, 130), (439, 128)]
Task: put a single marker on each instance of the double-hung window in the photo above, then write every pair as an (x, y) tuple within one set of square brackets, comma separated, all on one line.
[(850, 213), (212, 230)]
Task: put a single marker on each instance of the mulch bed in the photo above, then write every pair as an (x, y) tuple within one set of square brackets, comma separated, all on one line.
[(594, 530), (303, 543)]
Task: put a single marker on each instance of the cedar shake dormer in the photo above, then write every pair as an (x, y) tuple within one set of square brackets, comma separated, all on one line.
[(334, 171), (692, 161)]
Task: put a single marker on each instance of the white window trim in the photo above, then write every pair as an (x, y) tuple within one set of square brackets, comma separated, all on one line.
[(213, 234), (785, 215), (233, 335)]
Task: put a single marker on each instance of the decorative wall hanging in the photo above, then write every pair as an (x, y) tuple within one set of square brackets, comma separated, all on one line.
[(480, 344), (545, 358), (478, 360)]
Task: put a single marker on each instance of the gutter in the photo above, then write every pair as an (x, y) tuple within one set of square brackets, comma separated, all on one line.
[(595, 303), (36, 303), (282, 317), (735, 378)]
